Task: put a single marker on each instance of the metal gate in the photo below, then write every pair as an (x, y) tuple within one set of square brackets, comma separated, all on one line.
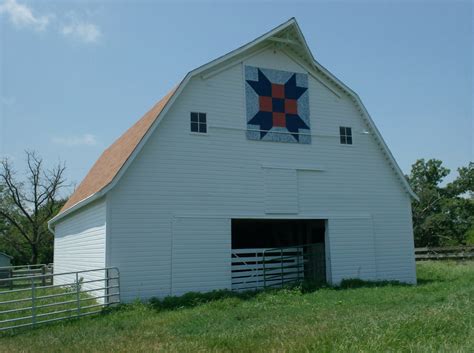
[(254, 269), (31, 301)]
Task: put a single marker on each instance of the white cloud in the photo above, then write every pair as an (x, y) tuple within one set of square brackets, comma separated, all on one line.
[(85, 32), (84, 140), (70, 25), (22, 16)]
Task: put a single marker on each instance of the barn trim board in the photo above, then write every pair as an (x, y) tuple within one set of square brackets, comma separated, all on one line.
[(271, 151)]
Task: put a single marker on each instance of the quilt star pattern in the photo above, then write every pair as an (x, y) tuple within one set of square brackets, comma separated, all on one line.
[(277, 105)]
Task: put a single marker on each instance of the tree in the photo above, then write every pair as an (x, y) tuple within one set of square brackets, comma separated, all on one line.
[(26, 206), (459, 206), (443, 215)]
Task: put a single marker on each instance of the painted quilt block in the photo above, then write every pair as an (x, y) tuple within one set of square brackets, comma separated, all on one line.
[(277, 105)]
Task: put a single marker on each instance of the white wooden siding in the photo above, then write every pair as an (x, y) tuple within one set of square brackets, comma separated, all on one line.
[(200, 255), (281, 190), (352, 249), (79, 244), (220, 174)]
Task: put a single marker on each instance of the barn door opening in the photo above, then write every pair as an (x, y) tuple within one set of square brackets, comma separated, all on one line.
[(277, 252)]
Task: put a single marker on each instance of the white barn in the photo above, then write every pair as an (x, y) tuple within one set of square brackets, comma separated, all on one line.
[(260, 148)]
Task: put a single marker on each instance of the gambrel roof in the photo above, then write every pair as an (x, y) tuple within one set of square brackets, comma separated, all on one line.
[(287, 37)]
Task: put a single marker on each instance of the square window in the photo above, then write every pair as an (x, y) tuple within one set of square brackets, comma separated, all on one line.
[(198, 122)]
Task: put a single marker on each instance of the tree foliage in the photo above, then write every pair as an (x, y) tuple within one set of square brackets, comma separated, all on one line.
[(26, 205), (444, 215)]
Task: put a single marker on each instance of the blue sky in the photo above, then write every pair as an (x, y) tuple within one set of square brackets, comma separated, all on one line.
[(75, 75)]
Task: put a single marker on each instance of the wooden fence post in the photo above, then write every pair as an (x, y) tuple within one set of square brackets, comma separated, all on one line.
[(43, 273), (11, 278)]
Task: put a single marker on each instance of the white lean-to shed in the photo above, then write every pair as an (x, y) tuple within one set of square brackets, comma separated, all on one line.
[(261, 148), (5, 260), (5, 263)]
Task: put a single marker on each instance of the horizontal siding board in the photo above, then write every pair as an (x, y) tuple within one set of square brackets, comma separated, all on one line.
[(79, 245), (281, 194), (352, 249), (202, 263)]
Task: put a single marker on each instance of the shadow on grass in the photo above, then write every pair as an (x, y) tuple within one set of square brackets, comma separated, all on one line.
[(193, 299), (353, 283), (423, 281)]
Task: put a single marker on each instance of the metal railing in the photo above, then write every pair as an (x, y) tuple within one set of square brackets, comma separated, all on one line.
[(293, 264), (70, 295), (248, 267), (260, 268)]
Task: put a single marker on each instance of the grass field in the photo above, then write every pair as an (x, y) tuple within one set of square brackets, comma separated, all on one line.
[(435, 316)]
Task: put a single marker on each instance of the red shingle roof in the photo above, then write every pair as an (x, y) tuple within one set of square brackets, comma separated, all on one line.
[(113, 158)]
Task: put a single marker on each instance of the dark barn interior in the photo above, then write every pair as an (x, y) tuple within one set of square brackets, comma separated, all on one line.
[(276, 233), (308, 235)]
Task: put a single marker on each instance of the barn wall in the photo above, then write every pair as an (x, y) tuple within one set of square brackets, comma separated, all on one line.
[(79, 244), (222, 174), (352, 249), (200, 252)]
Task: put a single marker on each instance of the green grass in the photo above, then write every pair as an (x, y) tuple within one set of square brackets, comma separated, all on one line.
[(435, 316)]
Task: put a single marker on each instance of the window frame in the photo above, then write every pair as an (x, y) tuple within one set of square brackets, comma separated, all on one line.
[(345, 135), (198, 121)]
